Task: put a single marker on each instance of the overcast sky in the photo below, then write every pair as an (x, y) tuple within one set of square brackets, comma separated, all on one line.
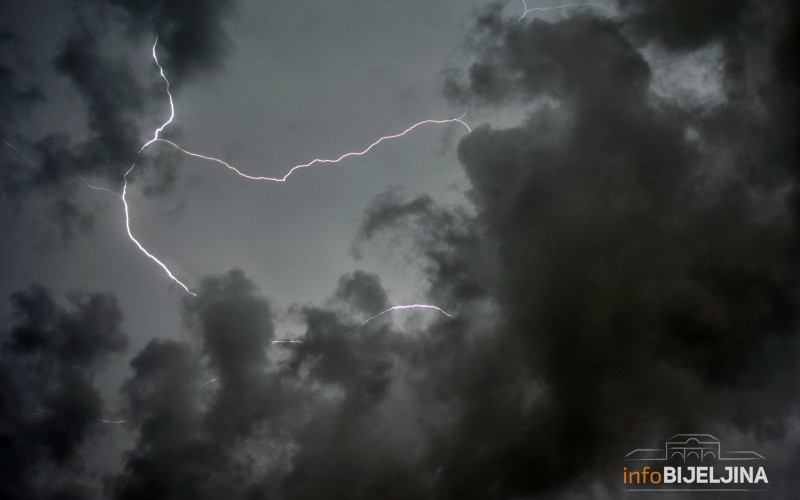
[(612, 245)]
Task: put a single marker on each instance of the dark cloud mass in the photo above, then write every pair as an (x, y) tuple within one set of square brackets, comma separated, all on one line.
[(627, 270), (49, 406)]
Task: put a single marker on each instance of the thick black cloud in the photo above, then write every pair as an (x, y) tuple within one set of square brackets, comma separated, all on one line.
[(363, 291), (455, 257), (646, 288), (15, 96), (224, 417), (49, 406), (198, 408)]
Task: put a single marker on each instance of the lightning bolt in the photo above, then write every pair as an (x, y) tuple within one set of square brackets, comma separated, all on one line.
[(287, 341), (139, 245), (128, 227), (316, 160), (411, 306), (554, 7), (156, 138), (112, 421)]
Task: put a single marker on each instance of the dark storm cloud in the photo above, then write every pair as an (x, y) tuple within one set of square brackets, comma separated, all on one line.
[(191, 429), (191, 32), (173, 457), (456, 259), (317, 420), (363, 291), (686, 25), (49, 406), (15, 97), (644, 291), (69, 218), (112, 97)]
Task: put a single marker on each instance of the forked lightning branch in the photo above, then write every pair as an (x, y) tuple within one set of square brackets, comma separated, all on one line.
[(318, 161)]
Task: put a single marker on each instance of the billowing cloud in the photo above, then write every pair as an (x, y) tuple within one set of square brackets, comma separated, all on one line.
[(49, 407)]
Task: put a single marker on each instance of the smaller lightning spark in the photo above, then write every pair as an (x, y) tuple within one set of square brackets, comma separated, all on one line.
[(100, 188), (554, 7), (133, 239), (208, 382), (112, 421), (412, 306), (19, 153), (287, 341)]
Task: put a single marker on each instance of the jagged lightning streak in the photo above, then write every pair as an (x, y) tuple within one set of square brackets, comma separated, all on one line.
[(554, 7), (169, 94), (411, 306), (136, 242), (287, 342), (112, 421), (315, 161)]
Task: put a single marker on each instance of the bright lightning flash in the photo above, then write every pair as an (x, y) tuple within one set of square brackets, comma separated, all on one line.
[(412, 306), (139, 245)]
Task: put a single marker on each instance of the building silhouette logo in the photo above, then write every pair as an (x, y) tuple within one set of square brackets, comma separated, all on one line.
[(685, 447), (694, 462)]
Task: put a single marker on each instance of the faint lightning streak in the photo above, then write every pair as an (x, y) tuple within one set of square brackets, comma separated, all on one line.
[(317, 160), (287, 341), (100, 188), (412, 306), (144, 251), (19, 153), (208, 382), (554, 7), (112, 421), (171, 103)]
